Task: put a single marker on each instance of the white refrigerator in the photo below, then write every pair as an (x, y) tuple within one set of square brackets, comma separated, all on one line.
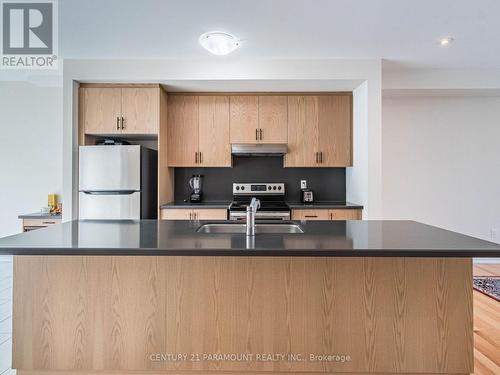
[(117, 182)]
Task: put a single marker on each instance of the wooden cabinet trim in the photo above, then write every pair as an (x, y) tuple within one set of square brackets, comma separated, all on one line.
[(263, 93), (121, 85)]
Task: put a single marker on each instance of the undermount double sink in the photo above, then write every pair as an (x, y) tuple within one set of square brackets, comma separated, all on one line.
[(260, 228)]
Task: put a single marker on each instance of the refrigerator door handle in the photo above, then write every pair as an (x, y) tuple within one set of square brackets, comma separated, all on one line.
[(120, 192)]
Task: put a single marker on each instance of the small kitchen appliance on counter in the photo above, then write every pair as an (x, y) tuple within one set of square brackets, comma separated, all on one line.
[(272, 201), (196, 183), (307, 196)]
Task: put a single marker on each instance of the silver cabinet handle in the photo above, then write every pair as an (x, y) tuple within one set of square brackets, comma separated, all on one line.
[(196, 157), (117, 123), (317, 158), (190, 215), (321, 157), (201, 157), (123, 123), (261, 134), (256, 134)]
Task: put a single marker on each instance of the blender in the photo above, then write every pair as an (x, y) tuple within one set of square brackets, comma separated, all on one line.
[(195, 183)]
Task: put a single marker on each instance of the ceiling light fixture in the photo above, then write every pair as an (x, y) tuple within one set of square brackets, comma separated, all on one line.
[(219, 42), (445, 42)]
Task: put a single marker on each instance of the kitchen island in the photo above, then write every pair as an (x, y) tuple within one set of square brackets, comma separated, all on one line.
[(158, 297)]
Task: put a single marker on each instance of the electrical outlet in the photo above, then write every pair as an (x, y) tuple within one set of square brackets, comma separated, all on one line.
[(303, 184), (494, 233)]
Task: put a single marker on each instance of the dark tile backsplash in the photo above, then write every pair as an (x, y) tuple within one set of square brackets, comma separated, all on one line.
[(328, 184)]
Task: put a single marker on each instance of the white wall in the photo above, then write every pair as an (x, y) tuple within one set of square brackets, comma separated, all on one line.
[(30, 150), (441, 162), (357, 178)]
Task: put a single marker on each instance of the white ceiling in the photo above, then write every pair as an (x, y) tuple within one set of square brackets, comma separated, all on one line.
[(404, 32)]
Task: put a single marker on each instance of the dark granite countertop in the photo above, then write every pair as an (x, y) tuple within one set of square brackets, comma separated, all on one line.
[(320, 238), (39, 215), (324, 204), (208, 204)]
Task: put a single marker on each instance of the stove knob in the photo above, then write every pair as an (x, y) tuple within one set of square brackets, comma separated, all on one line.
[(237, 188), (279, 187), (269, 187), (242, 188), (274, 187)]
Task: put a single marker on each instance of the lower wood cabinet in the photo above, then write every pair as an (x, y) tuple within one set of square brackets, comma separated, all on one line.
[(193, 214), (32, 224), (327, 214)]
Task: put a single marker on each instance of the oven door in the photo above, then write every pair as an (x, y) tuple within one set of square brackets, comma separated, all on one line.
[(260, 215)]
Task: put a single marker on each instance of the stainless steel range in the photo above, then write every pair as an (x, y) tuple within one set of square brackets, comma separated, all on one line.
[(271, 196)]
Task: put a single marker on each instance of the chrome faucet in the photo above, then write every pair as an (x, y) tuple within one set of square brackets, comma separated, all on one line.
[(251, 210)]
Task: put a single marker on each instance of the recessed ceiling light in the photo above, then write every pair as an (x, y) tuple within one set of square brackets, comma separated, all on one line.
[(219, 42), (445, 42)]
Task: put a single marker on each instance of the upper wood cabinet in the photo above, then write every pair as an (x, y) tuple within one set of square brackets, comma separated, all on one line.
[(273, 115), (140, 110), (302, 131), (258, 119), (100, 110), (119, 110), (198, 131), (182, 125), (319, 131), (335, 130), (213, 132), (244, 118)]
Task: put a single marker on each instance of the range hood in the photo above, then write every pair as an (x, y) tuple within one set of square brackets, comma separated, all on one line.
[(259, 149)]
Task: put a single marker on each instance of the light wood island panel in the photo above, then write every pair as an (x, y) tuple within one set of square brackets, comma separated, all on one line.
[(98, 314)]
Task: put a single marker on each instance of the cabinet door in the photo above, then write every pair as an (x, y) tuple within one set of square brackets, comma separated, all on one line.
[(210, 214), (214, 146), (244, 118), (273, 119), (310, 214), (140, 110), (182, 124), (302, 131), (176, 214), (335, 130), (101, 108), (345, 214)]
